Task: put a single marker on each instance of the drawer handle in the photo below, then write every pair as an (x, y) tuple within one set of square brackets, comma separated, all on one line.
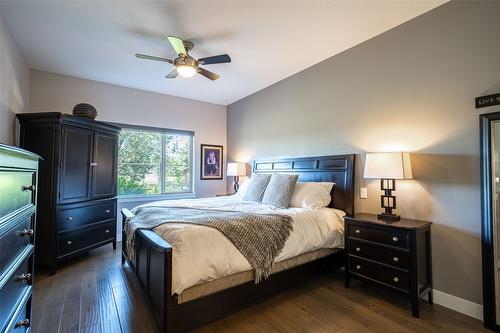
[(93, 164), (69, 218), (396, 279), (24, 323), (69, 242), (27, 232), (358, 267), (357, 231), (23, 277), (108, 211), (358, 249), (395, 259), (31, 188), (107, 231), (395, 239)]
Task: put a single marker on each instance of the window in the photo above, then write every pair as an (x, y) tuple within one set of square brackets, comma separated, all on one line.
[(154, 161)]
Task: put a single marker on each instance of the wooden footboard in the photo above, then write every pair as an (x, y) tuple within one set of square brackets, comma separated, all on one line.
[(153, 267)]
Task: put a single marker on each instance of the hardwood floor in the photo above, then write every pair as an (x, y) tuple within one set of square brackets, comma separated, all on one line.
[(96, 293)]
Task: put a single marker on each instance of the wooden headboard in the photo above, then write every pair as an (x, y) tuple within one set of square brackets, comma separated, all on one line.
[(338, 169)]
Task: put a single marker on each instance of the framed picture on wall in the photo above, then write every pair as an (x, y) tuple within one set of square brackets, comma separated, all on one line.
[(211, 162)]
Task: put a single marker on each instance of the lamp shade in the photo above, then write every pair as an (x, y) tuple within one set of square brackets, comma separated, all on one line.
[(388, 166), (236, 169)]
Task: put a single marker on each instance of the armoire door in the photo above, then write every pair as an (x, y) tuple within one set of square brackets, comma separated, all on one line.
[(104, 166), (76, 159)]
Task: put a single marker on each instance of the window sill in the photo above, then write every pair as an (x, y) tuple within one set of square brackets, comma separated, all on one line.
[(156, 197)]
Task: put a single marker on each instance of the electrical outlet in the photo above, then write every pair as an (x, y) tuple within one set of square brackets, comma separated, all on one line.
[(363, 193)]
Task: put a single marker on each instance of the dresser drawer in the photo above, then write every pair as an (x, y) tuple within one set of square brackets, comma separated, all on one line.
[(74, 241), (14, 240), (16, 285), (22, 322), (379, 273), (75, 218), (389, 236), (18, 191), (385, 255)]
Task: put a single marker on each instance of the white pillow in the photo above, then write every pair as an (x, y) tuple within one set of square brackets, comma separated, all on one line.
[(311, 195), (242, 190)]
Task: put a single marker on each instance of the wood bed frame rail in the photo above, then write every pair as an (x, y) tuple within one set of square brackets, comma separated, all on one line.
[(152, 264)]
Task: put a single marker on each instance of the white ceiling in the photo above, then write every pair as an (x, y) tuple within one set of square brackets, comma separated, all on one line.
[(267, 40)]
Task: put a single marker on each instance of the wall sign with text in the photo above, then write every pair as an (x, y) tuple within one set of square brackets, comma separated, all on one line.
[(489, 100)]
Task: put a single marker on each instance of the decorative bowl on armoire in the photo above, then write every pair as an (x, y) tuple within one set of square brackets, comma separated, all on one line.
[(85, 110)]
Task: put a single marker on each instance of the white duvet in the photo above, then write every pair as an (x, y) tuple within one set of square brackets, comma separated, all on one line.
[(201, 254)]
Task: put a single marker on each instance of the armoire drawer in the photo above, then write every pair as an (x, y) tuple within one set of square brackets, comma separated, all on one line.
[(16, 285), (16, 238), (74, 241), (75, 218), (17, 189), (21, 323)]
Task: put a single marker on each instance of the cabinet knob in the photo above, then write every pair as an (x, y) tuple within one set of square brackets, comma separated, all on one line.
[(29, 188), (395, 239), (93, 164), (69, 242), (23, 277), (27, 232), (395, 259), (24, 323), (358, 267), (358, 249), (107, 231), (396, 279), (69, 218), (357, 231), (108, 211)]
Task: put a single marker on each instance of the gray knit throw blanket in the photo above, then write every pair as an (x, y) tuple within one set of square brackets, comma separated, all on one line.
[(259, 237)]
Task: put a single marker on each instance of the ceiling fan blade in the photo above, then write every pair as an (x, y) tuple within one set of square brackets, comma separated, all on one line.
[(208, 74), (148, 57), (178, 45), (218, 59), (172, 75)]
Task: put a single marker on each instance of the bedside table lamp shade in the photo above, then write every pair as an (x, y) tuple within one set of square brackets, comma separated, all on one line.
[(388, 167), (236, 170)]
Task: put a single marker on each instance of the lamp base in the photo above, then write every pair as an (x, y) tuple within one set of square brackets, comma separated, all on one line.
[(388, 217)]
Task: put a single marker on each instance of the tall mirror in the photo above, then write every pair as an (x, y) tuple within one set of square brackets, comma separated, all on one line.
[(490, 200)]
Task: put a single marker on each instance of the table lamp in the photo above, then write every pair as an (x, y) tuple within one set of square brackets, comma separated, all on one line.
[(388, 167), (236, 170)]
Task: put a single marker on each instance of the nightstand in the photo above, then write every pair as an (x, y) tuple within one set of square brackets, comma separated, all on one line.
[(393, 254)]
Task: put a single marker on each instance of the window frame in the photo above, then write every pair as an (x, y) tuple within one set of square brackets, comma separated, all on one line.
[(164, 132)]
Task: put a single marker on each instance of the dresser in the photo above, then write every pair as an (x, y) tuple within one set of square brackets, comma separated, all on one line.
[(392, 254), (77, 186), (18, 185)]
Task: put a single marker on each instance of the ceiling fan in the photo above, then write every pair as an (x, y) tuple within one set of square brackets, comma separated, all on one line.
[(185, 65)]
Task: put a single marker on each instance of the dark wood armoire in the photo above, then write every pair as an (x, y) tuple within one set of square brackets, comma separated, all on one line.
[(77, 184)]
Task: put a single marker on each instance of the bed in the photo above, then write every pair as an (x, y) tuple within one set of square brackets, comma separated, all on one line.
[(185, 291)]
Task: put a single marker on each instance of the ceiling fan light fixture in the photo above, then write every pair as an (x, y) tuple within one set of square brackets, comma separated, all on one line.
[(186, 71)]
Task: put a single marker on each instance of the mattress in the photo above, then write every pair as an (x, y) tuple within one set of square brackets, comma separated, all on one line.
[(227, 282), (202, 254)]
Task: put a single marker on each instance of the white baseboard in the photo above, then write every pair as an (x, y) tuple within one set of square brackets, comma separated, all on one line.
[(458, 304)]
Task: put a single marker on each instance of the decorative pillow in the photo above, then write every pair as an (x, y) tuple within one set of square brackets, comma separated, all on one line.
[(256, 187), (311, 195), (280, 189), (242, 190)]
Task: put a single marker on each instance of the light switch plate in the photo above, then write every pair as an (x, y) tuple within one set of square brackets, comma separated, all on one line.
[(363, 193)]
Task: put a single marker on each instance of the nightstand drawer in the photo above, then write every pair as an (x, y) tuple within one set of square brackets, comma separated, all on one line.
[(379, 273), (382, 254), (392, 236)]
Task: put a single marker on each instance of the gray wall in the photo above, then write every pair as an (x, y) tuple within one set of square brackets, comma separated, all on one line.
[(14, 84), (412, 89)]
